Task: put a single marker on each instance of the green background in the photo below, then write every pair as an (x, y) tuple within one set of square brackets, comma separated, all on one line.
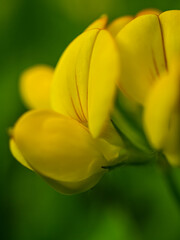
[(130, 203)]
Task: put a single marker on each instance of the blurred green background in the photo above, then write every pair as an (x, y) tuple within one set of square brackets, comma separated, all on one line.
[(130, 203)]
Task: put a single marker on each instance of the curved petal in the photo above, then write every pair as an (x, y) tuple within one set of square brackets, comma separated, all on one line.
[(170, 22), (100, 23), (142, 55), (103, 78), (119, 23), (75, 186), (35, 85), (57, 147), (70, 83), (162, 113), (17, 154), (85, 79), (116, 25)]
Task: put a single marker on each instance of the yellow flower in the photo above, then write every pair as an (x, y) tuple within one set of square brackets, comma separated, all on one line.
[(58, 140), (150, 52), (68, 137)]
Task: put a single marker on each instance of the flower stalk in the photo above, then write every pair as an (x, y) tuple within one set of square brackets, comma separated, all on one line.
[(168, 173)]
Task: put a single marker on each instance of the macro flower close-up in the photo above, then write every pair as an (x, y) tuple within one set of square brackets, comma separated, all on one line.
[(71, 138), (98, 120)]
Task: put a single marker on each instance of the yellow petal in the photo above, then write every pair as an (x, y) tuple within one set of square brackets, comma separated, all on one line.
[(142, 55), (103, 77), (58, 148), (118, 24), (17, 154), (111, 145), (35, 84), (149, 11), (75, 186), (100, 23), (85, 79), (70, 83), (161, 116), (170, 23)]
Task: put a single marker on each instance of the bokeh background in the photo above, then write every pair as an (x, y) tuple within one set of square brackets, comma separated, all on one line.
[(130, 203)]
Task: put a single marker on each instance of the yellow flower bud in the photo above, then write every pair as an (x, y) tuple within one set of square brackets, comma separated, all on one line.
[(35, 86)]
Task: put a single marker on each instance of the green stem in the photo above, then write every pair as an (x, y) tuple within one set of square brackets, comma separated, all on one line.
[(171, 181), (127, 162)]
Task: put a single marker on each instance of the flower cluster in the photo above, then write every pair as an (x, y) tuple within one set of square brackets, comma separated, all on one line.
[(113, 97)]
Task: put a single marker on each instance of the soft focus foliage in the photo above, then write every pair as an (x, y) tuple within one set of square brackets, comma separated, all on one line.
[(130, 203)]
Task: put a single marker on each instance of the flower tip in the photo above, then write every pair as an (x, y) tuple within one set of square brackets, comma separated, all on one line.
[(149, 11), (99, 23)]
